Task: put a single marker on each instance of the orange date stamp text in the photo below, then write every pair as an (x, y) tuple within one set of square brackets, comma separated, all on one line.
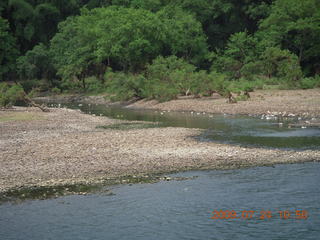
[(262, 215)]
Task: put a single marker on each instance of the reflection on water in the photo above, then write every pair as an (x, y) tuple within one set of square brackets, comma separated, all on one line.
[(245, 130), (178, 209)]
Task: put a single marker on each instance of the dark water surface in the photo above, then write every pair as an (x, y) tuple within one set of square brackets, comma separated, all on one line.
[(234, 129), (179, 209)]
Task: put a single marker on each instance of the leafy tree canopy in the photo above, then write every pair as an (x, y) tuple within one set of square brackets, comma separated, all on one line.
[(8, 51), (294, 25), (125, 39)]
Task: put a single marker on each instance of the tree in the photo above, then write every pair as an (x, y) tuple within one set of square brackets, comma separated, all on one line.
[(222, 18), (184, 36), (8, 50), (124, 39), (72, 51), (169, 76), (36, 64), (281, 64), (128, 37), (22, 16), (239, 54), (32, 22), (294, 25)]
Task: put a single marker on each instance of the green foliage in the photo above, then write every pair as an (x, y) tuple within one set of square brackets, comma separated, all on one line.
[(123, 86), (253, 44), (123, 38), (242, 85), (72, 53), (129, 37), (36, 64), (165, 79), (205, 84), (36, 21), (307, 83), (281, 64), (168, 77), (94, 85), (40, 84), (238, 56), (9, 95), (55, 90), (218, 83), (8, 51), (294, 25), (184, 36), (221, 18)]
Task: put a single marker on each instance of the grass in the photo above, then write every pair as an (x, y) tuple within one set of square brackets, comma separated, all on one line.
[(18, 116)]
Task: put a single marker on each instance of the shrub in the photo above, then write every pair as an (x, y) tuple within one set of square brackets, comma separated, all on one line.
[(308, 83), (55, 90), (168, 77), (94, 85), (42, 85), (9, 95), (123, 86), (281, 64), (218, 83), (71, 84), (163, 92)]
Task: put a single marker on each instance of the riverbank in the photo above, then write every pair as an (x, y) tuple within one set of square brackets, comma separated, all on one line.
[(65, 147), (282, 103)]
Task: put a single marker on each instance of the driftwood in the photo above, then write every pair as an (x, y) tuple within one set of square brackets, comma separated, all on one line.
[(30, 102)]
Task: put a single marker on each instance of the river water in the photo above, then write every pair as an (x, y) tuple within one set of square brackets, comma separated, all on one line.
[(185, 209), (232, 129), (179, 209)]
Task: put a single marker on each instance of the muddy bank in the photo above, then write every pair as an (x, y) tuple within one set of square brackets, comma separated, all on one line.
[(66, 147)]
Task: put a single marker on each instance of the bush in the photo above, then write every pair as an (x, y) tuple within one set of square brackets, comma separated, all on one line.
[(163, 92), (281, 64), (308, 83), (9, 95), (36, 64), (168, 77), (218, 82), (123, 87), (94, 85), (71, 84), (55, 90), (41, 85)]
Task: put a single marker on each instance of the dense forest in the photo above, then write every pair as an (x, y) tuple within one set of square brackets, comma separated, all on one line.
[(159, 49)]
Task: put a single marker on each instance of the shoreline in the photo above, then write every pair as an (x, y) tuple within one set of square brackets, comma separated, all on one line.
[(65, 147), (274, 103)]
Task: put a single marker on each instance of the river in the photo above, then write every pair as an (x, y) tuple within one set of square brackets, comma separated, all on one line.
[(284, 199)]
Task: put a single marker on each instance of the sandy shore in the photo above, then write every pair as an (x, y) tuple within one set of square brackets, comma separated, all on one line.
[(65, 147)]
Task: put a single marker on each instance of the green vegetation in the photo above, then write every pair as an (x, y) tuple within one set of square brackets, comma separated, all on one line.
[(130, 126), (9, 95), (159, 49)]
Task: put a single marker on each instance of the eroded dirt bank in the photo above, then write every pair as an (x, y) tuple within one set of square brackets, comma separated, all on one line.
[(66, 147)]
